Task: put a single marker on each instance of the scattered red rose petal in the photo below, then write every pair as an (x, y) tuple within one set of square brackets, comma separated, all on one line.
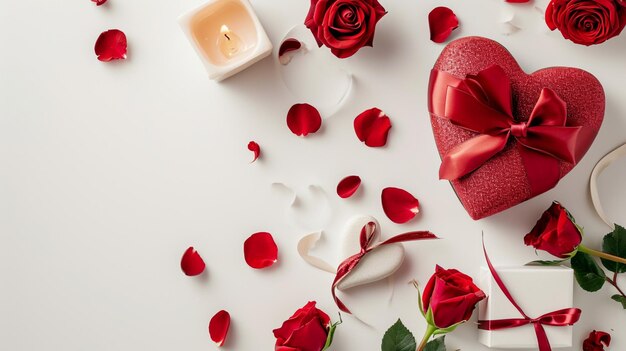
[(596, 341), (260, 250), (442, 22), (348, 186), (399, 205), (372, 127), (288, 47), (303, 119), (99, 2), (191, 263), (111, 45), (255, 148), (218, 327)]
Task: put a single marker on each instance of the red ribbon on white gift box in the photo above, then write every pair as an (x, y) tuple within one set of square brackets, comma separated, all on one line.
[(560, 318)]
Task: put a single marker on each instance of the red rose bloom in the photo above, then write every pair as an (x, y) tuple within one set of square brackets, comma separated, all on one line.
[(596, 341), (586, 22), (555, 232), (344, 26), (451, 297), (306, 330)]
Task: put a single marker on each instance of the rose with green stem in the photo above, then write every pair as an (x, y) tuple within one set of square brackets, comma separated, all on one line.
[(557, 233)]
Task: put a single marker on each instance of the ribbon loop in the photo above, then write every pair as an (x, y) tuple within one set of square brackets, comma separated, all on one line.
[(482, 104)]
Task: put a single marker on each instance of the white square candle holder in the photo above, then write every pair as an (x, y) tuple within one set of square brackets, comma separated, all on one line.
[(538, 290), (227, 36)]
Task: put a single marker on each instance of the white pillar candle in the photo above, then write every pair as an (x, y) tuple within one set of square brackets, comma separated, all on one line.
[(226, 35)]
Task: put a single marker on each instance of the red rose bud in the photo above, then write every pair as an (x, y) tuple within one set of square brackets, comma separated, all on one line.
[(555, 232), (449, 298), (596, 341), (307, 330), (344, 26), (586, 22)]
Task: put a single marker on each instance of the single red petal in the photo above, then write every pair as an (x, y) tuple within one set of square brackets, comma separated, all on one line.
[(111, 45), (99, 2), (191, 263), (399, 205), (260, 250), (255, 148), (348, 186), (372, 127), (303, 119), (287, 48), (218, 327), (442, 22)]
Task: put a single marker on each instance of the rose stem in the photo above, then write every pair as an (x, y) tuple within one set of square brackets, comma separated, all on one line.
[(429, 332), (614, 283), (601, 254)]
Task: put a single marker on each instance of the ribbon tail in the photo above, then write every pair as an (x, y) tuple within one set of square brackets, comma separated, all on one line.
[(410, 236), (470, 155), (542, 338), (542, 170), (344, 268)]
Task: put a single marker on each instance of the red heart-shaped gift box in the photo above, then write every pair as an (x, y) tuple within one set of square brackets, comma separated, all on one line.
[(523, 164)]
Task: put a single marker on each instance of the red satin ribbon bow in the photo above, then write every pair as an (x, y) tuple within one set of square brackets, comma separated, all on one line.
[(366, 237), (482, 104), (560, 318)]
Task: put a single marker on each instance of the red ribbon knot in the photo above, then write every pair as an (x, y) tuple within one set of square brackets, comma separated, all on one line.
[(559, 318), (482, 104), (519, 130)]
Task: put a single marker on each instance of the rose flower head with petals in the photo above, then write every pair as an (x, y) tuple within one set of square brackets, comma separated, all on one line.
[(308, 329), (586, 22), (596, 341), (344, 26), (449, 299), (555, 232)]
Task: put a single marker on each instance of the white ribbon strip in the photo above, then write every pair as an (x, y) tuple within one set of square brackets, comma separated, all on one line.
[(305, 245), (605, 162)]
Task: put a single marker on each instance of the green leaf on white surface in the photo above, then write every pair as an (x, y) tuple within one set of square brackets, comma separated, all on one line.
[(398, 338)]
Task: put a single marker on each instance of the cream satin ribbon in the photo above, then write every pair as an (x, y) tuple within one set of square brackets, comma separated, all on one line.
[(605, 162)]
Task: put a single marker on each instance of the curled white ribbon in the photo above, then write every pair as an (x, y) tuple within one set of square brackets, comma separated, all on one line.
[(305, 245), (605, 162)]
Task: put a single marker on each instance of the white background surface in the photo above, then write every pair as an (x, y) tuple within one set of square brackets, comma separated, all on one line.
[(109, 171)]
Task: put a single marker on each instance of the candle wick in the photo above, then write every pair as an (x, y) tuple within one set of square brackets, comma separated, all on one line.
[(227, 37)]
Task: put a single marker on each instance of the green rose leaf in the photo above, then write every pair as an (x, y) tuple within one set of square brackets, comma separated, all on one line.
[(621, 299), (588, 274), (398, 338), (437, 344), (614, 243)]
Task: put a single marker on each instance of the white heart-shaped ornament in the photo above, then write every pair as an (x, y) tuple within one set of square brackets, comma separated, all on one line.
[(377, 264)]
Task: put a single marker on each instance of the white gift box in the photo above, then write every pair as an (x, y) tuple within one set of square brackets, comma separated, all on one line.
[(537, 290), (227, 36)]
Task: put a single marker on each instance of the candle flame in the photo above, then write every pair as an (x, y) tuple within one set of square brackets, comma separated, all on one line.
[(224, 29)]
